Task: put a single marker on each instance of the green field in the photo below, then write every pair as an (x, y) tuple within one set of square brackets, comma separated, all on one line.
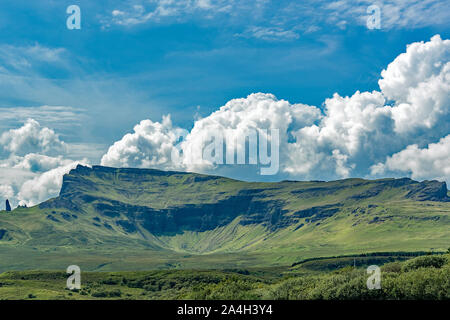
[(402, 277)]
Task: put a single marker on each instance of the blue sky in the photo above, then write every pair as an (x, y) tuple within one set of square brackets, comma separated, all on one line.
[(134, 60), (195, 60)]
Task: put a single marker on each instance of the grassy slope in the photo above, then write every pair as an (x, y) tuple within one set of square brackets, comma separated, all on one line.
[(386, 221)]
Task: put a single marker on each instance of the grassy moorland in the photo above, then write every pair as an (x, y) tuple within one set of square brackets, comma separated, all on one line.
[(402, 277), (108, 219)]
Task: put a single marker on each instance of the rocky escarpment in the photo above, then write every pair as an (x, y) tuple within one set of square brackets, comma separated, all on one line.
[(164, 202), (429, 191), (419, 191), (189, 217)]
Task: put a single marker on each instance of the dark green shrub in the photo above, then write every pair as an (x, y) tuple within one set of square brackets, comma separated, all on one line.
[(111, 281), (107, 294), (394, 267), (115, 293), (424, 262), (99, 294), (423, 284)]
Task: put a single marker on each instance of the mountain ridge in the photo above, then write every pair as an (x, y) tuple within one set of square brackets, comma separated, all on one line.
[(185, 215)]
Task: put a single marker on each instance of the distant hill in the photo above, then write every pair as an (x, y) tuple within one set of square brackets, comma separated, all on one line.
[(124, 219)]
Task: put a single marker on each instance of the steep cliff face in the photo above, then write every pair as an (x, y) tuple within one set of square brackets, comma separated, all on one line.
[(429, 191), (164, 203)]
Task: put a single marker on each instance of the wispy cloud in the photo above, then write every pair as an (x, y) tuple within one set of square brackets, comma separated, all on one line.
[(26, 58), (64, 91), (157, 10), (405, 14), (53, 116), (276, 19), (270, 34)]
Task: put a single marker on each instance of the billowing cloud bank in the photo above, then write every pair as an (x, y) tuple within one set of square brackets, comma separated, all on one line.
[(400, 130), (395, 131), (150, 145), (31, 137), (431, 162), (32, 164)]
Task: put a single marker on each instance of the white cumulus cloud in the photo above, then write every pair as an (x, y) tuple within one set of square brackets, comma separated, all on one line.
[(33, 164), (31, 137), (432, 162), (240, 118), (419, 83), (150, 145), (345, 138)]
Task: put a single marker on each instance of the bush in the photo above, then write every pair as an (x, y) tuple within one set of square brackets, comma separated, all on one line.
[(293, 289), (99, 294), (115, 293), (111, 281), (420, 278), (424, 262), (424, 284), (107, 294), (394, 267), (230, 289)]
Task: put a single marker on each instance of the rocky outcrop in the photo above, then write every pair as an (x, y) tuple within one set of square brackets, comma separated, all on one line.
[(191, 217), (428, 191), (8, 206)]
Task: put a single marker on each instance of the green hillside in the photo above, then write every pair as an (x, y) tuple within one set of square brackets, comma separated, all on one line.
[(136, 219)]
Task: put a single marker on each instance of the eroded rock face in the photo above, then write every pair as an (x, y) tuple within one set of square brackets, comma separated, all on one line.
[(164, 202), (8, 206), (191, 217), (429, 191)]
